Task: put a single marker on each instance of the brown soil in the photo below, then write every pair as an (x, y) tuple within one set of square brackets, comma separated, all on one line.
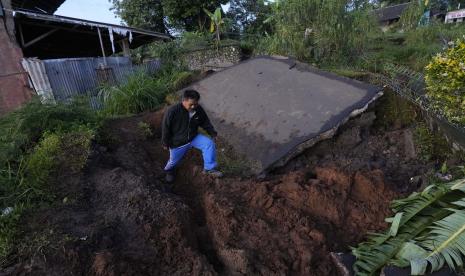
[(117, 220)]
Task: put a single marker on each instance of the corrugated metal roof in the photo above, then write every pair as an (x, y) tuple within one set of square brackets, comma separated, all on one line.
[(48, 6), (72, 37), (391, 12), (83, 22)]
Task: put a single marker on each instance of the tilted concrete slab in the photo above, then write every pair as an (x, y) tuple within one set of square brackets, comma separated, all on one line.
[(271, 109)]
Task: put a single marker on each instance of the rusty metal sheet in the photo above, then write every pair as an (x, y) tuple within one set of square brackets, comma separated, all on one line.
[(271, 109), (39, 78)]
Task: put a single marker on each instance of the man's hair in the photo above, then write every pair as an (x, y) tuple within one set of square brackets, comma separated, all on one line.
[(191, 94)]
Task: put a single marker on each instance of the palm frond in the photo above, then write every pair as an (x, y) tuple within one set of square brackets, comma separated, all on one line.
[(416, 202), (381, 249), (414, 216), (412, 205), (445, 241)]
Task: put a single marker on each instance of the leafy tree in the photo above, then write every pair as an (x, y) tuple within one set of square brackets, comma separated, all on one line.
[(189, 15), (162, 15), (145, 14), (249, 16)]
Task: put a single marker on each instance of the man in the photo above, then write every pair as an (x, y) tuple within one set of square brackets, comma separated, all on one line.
[(179, 134)]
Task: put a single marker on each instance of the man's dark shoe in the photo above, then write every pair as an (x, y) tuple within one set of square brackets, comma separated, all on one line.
[(169, 178), (214, 173)]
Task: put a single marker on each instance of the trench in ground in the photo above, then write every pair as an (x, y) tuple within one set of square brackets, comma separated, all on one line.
[(118, 219)]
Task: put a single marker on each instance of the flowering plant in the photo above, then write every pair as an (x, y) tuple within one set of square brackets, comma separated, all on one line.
[(445, 80)]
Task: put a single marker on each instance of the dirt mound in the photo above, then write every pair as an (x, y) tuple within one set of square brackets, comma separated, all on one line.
[(289, 225), (118, 221)]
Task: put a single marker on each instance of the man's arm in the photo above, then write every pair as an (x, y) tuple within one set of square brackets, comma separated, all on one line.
[(206, 124), (165, 128)]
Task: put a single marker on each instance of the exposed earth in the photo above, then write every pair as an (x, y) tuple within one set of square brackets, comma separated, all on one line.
[(117, 219)]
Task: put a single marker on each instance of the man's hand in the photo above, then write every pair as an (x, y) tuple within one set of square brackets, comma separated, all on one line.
[(165, 148)]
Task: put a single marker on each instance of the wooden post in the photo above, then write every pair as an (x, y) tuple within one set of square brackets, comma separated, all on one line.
[(125, 46), (101, 46)]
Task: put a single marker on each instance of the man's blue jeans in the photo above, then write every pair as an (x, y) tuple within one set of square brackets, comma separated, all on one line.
[(201, 142)]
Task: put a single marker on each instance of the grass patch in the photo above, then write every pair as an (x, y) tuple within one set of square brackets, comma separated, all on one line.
[(143, 91), (349, 73), (230, 162), (145, 129), (395, 112), (431, 145), (37, 141), (413, 48)]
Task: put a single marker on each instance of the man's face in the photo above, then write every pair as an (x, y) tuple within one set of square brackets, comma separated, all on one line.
[(190, 104)]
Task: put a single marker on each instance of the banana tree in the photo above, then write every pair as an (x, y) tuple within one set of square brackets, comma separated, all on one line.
[(216, 22), (428, 231)]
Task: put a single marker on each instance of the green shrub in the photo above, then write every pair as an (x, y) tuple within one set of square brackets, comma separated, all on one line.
[(411, 16), (431, 145), (43, 160), (195, 40), (182, 79), (35, 142), (145, 129), (29, 187), (395, 112), (247, 47), (9, 229), (141, 92), (75, 149), (445, 79), (318, 31), (21, 129), (349, 73), (414, 47), (169, 53)]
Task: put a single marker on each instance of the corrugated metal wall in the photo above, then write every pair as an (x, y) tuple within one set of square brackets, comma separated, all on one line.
[(39, 78), (79, 76)]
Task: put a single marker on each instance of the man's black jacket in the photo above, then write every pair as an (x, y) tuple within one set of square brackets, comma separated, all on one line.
[(178, 129)]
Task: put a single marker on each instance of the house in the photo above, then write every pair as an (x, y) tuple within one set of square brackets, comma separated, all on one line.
[(455, 16), (28, 28), (389, 15)]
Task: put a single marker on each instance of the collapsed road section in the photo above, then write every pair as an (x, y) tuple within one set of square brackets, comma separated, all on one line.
[(273, 108)]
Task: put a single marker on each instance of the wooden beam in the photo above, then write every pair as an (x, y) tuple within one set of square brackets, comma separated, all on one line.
[(102, 47), (21, 35), (134, 33), (60, 28), (39, 38)]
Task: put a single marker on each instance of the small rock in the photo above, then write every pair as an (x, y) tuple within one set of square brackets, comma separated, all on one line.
[(7, 211), (417, 181), (444, 177), (410, 152), (391, 139)]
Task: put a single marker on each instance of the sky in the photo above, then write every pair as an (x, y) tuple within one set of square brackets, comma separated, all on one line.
[(95, 10)]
